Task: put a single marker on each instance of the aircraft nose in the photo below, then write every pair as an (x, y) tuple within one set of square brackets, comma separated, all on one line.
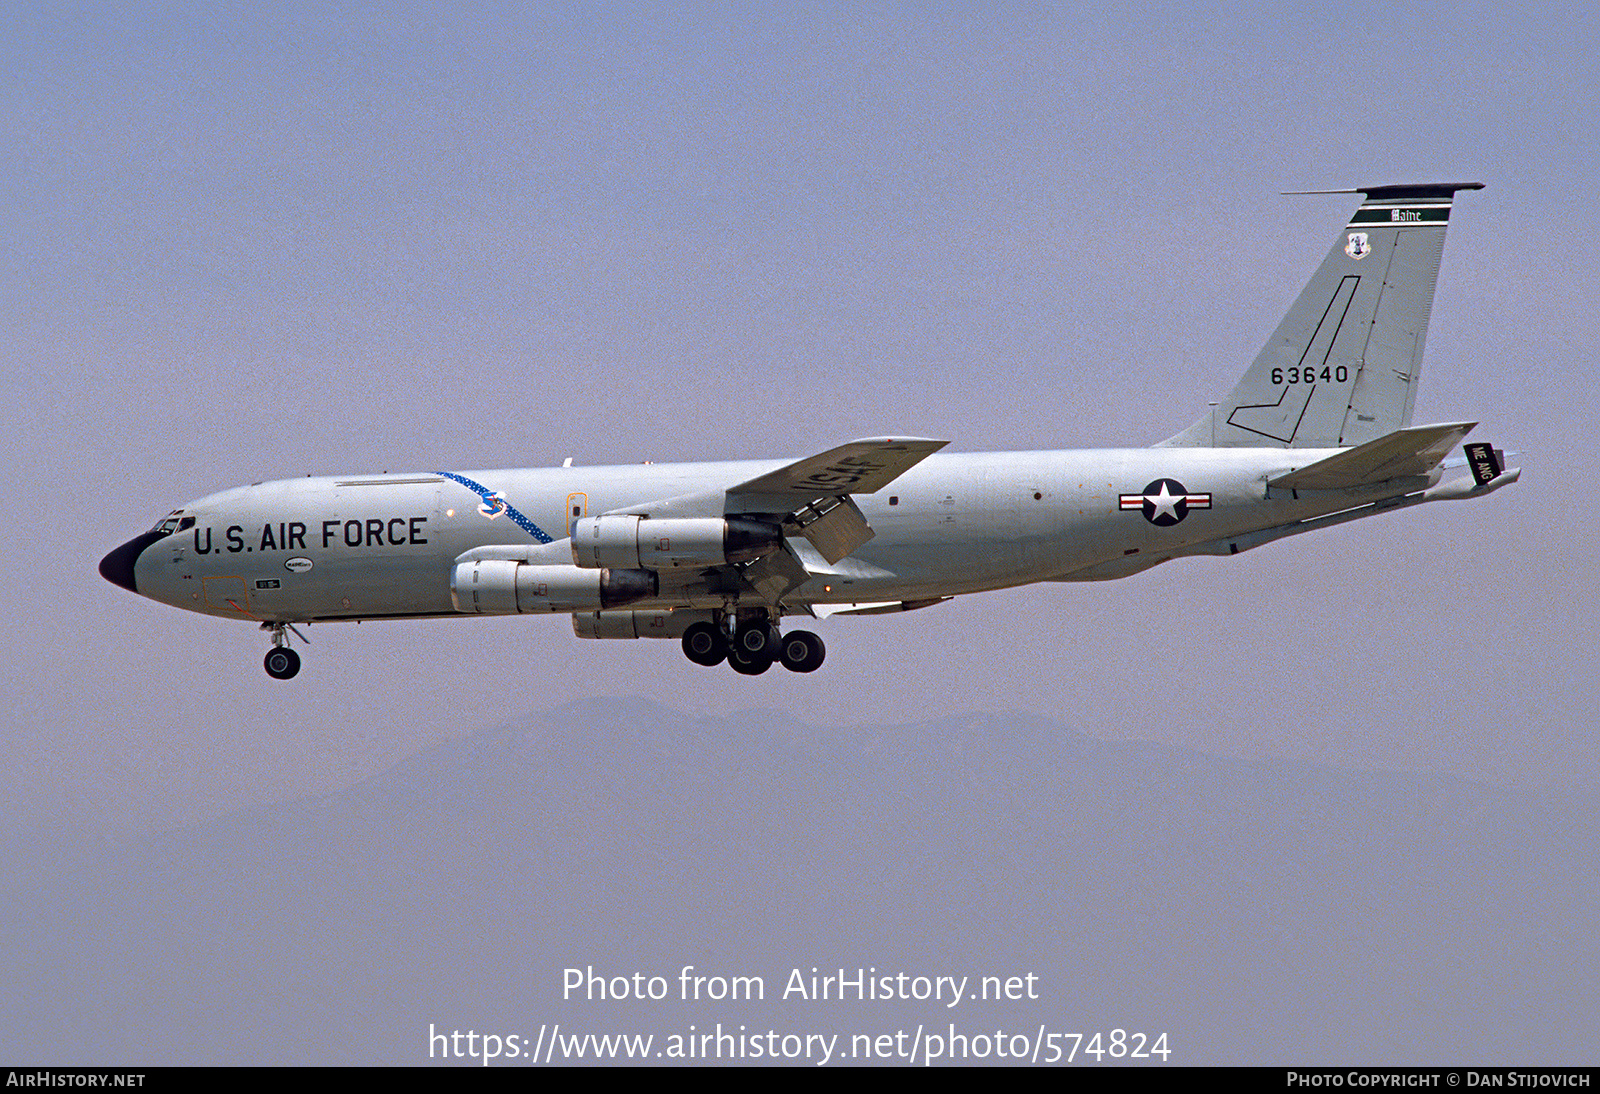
[(117, 567)]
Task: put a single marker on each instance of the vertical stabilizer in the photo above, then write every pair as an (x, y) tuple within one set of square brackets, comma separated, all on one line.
[(1342, 368)]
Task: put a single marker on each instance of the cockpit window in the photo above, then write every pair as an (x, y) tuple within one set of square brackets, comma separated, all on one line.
[(169, 524)]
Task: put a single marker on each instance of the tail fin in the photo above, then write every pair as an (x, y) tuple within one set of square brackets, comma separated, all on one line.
[(1342, 367)]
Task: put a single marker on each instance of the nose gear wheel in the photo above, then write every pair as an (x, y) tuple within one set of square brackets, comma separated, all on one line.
[(281, 662)]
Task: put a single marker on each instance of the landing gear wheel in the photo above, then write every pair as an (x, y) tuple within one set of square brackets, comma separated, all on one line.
[(747, 665), (704, 645), (282, 663), (801, 651), (760, 640)]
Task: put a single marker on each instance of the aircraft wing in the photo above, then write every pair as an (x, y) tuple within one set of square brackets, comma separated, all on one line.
[(857, 467), (813, 494), (885, 607), (810, 497), (1402, 454)]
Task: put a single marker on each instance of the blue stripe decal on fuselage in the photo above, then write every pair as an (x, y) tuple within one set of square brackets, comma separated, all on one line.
[(494, 504)]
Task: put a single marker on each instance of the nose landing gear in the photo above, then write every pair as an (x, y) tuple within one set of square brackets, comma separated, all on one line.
[(282, 662)]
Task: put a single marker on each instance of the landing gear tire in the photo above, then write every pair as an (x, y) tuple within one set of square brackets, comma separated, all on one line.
[(704, 645), (801, 651), (758, 641), (282, 663), (747, 665)]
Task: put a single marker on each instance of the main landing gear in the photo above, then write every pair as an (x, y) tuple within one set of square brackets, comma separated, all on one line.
[(754, 648), (282, 662)]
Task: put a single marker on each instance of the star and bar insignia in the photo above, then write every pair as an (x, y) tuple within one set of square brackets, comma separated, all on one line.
[(1165, 502)]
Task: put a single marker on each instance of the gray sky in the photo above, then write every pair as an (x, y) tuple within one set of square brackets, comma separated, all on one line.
[(245, 244)]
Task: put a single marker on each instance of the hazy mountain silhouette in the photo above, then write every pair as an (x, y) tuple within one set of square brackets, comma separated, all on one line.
[(1258, 912)]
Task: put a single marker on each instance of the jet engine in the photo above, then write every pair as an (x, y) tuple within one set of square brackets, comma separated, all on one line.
[(658, 623), (630, 542), (507, 587)]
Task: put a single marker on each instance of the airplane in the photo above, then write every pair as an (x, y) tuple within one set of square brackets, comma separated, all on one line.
[(718, 555)]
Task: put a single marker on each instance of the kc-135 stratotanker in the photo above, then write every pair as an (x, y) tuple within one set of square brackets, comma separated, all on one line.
[(721, 555)]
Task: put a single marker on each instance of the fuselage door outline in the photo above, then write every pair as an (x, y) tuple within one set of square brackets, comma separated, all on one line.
[(577, 509)]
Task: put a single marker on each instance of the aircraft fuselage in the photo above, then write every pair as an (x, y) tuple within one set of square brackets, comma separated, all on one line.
[(383, 545)]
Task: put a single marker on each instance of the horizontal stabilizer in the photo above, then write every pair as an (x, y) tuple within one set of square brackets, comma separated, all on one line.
[(1405, 453)]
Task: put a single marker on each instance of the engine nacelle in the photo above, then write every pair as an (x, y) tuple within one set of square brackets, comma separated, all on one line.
[(506, 587), (663, 623), (640, 543)]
